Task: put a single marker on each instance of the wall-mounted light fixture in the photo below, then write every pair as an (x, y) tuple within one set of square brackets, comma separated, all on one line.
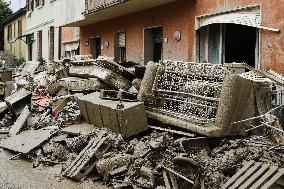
[(177, 36), (106, 44), (87, 41)]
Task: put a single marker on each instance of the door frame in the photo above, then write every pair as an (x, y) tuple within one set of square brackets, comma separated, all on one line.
[(152, 27)]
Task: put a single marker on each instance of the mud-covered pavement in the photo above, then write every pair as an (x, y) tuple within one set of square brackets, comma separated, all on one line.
[(19, 174)]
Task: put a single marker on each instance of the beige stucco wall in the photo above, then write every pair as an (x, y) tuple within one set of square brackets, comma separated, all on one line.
[(17, 48)]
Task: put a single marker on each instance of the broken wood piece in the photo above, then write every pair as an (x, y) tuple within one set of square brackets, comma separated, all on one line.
[(172, 131), (21, 122), (237, 175), (75, 169), (166, 180), (254, 175), (15, 156)]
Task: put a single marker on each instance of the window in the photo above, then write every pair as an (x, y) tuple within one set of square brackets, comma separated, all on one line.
[(51, 43), (31, 5), (9, 36), (120, 46), (14, 31), (39, 2), (153, 44), (39, 44), (30, 39), (20, 32)]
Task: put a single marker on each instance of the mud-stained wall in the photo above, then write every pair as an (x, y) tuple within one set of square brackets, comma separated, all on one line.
[(70, 34), (272, 15), (173, 17), (181, 16)]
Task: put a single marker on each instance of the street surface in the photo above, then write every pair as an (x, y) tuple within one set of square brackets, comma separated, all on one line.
[(19, 174)]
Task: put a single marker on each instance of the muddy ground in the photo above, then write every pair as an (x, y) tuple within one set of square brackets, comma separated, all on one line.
[(20, 174)]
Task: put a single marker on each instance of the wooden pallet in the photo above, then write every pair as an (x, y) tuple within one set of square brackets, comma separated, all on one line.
[(255, 175)]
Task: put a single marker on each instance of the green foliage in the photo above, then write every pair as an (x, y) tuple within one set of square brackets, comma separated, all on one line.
[(5, 12), (11, 61)]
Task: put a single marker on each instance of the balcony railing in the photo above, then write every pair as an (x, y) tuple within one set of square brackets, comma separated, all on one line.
[(92, 6)]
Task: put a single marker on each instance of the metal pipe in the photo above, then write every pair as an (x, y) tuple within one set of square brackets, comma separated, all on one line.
[(177, 174)]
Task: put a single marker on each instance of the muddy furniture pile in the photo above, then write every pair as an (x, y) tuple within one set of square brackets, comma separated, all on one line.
[(203, 98), (90, 119)]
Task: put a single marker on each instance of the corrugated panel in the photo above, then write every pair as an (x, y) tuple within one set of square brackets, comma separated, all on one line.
[(249, 17), (121, 39)]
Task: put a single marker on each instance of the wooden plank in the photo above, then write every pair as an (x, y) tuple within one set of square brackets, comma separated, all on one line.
[(246, 176), (237, 175), (74, 169), (266, 176), (255, 176), (166, 180), (174, 181), (274, 179)]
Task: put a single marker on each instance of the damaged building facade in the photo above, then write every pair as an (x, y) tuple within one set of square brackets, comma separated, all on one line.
[(14, 29), (197, 30), (163, 94), (46, 39)]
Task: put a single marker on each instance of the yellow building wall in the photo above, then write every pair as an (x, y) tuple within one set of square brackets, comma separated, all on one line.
[(17, 48)]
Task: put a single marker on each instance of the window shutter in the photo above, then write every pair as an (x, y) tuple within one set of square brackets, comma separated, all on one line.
[(51, 43), (121, 39), (32, 5), (28, 5), (19, 27), (39, 43), (248, 17)]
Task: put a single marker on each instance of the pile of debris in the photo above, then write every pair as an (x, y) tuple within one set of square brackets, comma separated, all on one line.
[(91, 118)]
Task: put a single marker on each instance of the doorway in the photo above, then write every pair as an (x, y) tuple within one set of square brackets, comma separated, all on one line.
[(120, 46), (30, 40), (228, 43), (153, 44), (95, 46), (240, 44)]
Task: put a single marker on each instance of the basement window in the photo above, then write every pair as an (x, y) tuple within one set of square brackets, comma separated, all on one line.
[(120, 46)]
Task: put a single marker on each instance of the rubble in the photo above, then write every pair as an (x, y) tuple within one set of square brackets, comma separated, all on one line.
[(96, 120)]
